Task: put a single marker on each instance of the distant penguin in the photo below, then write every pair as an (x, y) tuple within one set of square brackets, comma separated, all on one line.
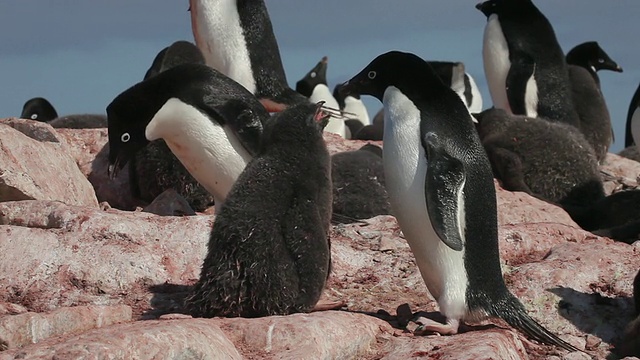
[(236, 38), (632, 130), (453, 75), (516, 28), (358, 184), (211, 123), (179, 52), (38, 109), (441, 189), (314, 86), (373, 132), (595, 121), (154, 168), (352, 106), (269, 251)]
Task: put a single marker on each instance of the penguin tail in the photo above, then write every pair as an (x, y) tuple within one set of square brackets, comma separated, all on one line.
[(513, 312)]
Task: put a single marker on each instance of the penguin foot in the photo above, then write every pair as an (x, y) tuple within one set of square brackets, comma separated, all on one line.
[(324, 305), (428, 325)]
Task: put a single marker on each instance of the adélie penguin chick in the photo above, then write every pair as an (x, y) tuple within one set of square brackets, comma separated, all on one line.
[(595, 121), (236, 38), (441, 189), (210, 122), (269, 251), (314, 86)]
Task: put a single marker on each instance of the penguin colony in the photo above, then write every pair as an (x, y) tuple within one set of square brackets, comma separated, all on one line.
[(218, 122)]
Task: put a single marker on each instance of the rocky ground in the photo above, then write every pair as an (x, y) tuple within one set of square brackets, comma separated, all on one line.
[(85, 274)]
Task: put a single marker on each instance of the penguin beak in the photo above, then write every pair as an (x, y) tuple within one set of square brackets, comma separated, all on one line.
[(348, 88), (618, 69), (485, 7)]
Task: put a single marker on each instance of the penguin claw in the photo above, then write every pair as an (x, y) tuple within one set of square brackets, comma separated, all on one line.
[(324, 305)]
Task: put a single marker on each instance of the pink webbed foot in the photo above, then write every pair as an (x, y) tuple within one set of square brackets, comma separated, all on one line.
[(428, 325)]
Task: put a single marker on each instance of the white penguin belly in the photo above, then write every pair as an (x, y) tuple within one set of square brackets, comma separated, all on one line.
[(635, 127), (405, 169), (219, 35), (210, 152), (476, 98), (356, 107), (495, 56), (531, 97), (321, 93)]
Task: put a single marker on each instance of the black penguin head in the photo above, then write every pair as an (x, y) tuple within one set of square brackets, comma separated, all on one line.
[(500, 7), (39, 109), (591, 56), (298, 123), (406, 71), (340, 96), (317, 75), (180, 52)]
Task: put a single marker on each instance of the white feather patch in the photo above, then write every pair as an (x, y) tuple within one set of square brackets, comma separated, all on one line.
[(442, 268), (495, 55), (210, 152)]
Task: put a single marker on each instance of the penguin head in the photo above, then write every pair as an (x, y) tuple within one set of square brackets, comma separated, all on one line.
[(340, 96), (38, 109), (301, 122), (126, 136), (491, 121), (316, 76), (395, 68), (591, 56), (499, 7)]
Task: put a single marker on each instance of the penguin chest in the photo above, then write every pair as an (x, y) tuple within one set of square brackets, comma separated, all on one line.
[(219, 35), (211, 152), (356, 107), (476, 97), (495, 56), (405, 167)]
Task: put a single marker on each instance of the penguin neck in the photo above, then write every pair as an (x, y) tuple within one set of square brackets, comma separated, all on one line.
[(219, 34), (356, 106), (211, 152)]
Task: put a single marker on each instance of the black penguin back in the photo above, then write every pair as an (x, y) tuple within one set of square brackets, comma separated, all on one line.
[(269, 250)]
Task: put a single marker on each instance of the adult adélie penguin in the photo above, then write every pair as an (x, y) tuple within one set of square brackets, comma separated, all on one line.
[(211, 123), (236, 38), (516, 28), (441, 189)]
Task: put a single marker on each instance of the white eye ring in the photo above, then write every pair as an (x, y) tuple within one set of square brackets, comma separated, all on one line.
[(372, 75), (313, 74), (34, 116), (600, 61), (125, 137)]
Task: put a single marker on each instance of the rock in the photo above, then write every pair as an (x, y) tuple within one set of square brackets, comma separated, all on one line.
[(36, 130), (90, 149), (519, 207), (30, 328), (620, 173), (7, 308), (30, 169), (336, 144), (169, 203), (53, 255), (161, 339)]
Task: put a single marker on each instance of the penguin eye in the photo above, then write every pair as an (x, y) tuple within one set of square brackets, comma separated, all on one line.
[(125, 137), (313, 74), (372, 75), (601, 60), (34, 116)]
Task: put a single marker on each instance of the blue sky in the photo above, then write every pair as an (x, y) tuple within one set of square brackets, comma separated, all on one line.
[(81, 54)]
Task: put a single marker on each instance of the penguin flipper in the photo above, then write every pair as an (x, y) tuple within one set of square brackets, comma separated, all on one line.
[(443, 192), (521, 70)]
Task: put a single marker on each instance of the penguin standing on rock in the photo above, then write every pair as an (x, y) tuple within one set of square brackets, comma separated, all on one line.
[(210, 122), (236, 38), (154, 168), (441, 189), (517, 29), (269, 251), (314, 86), (595, 121)]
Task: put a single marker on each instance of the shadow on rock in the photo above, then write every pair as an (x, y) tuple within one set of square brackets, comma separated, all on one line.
[(167, 299)]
